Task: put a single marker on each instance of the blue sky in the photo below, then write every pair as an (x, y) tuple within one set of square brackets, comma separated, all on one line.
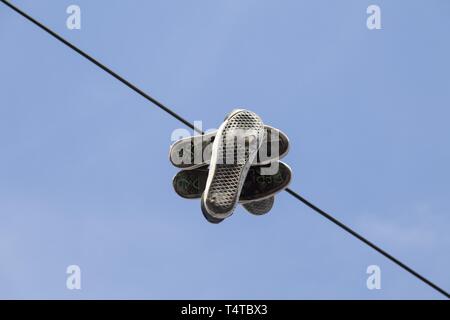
[(85, 178)]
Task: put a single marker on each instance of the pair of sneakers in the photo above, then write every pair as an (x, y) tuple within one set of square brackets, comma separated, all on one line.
[(237, 163)]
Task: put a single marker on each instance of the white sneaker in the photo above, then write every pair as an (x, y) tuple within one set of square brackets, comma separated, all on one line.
[(234, 149), (194, 152)]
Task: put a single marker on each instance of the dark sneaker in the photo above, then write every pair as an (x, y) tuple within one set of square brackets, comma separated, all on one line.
[(234, 150), (194, 152), (190, 184), (259, 207)]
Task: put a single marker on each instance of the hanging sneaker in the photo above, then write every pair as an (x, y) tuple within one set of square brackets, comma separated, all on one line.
[(234, 150), (259, 207), (257, 195), (190, 184), (194, 152)]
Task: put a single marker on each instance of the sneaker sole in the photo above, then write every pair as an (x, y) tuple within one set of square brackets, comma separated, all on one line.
[(225, 180), (260, 207), (201, 143), (190, 184)]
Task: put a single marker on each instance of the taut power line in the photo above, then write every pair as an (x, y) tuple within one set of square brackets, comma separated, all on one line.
[(190, 125)]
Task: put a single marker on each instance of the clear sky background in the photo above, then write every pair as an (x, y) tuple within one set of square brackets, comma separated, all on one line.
[(84, 171)]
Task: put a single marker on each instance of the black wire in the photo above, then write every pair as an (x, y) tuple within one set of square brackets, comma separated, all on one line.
[(190, 125), (105, 68), (370, 244)]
